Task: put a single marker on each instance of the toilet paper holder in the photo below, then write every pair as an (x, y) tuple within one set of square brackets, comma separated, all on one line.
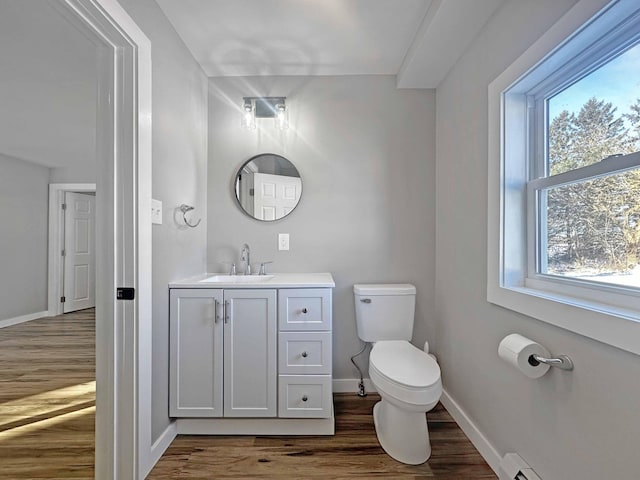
[(563, 362)]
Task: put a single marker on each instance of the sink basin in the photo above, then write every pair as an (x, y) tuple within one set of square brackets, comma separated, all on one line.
[(238, 279)]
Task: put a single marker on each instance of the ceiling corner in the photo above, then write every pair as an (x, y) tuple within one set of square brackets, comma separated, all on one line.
[(446, 32)]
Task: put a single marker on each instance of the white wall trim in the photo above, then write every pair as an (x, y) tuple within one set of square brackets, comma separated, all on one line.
[(471, 430), (160, 446), (56, 241), (350, 385), (7, 322)]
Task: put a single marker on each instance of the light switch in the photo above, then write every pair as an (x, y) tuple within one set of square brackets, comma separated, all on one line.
[(283, 241), (156, 212)]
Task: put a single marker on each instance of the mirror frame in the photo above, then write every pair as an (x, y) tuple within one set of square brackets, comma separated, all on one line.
[(235, 181)]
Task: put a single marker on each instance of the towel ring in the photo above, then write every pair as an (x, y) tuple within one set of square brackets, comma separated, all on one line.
[(187, 208)]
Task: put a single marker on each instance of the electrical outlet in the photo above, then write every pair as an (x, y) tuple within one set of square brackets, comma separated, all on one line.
[(283, 241), (156, 212)]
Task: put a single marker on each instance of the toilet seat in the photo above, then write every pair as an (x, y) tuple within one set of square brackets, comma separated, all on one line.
[(405, 372)]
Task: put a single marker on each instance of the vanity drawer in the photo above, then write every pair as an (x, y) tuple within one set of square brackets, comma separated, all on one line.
[(308, 396), (304, 352), (304, 309)]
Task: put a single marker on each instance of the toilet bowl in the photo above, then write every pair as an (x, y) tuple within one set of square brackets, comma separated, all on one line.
[(407, 378), (408, 381)]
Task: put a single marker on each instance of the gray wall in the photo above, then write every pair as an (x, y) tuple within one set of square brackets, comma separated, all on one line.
[(81, 173), (179, 176), (23, 242), (365, 152), (48, 93), (582, 424)]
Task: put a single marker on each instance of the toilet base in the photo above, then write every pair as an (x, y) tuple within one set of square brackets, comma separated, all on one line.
[(402, 434)]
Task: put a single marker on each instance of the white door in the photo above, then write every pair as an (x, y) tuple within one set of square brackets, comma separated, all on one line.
[(275, 195), (79, 251)]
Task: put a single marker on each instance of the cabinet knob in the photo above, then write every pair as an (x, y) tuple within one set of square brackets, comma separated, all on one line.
[(305, 354), (304, 310), (304, 398)]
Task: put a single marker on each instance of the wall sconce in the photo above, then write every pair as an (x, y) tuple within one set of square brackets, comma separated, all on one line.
[(264, 107)]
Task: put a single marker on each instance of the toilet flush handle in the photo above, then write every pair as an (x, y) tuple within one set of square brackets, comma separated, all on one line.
[(365, 300)]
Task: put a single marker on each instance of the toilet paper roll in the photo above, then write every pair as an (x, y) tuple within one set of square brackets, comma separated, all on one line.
[(516, 350)]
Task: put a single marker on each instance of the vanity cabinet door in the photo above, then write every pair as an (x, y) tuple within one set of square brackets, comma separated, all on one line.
[(196, 367), (250, 346)]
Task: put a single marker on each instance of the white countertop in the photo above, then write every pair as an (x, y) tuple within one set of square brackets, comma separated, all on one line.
[(279, 280)]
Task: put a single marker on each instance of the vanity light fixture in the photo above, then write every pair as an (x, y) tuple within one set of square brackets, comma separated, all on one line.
[(264, 107), (248, 119), (282, 116)]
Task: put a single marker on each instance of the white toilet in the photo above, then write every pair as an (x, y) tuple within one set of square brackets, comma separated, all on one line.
[(407, 378)]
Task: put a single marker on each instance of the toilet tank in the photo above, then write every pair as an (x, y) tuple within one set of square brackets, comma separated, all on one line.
[(384, 311)]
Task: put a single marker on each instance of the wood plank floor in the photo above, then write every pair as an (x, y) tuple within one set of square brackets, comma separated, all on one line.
[(47, 398), (47, 415), (353, 452)]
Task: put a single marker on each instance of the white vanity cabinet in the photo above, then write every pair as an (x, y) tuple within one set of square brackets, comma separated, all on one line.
[(252, 359), (223, 353)]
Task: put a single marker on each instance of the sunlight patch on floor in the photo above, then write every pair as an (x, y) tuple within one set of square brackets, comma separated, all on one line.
[(46, 423), (46, 403)]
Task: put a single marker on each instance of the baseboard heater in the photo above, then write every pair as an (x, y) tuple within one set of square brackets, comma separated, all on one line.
[(513, 467)]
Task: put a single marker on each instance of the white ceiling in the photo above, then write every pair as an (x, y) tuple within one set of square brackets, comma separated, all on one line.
[(47, 86), (48, 69), (419, 40)]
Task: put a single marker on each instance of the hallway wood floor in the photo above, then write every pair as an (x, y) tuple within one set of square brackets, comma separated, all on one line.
[(47, 398), (47, 414)]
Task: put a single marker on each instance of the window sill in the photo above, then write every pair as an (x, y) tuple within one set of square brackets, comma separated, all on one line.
[(618, 327)]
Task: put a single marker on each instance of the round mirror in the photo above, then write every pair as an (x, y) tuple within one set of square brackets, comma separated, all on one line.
[(268, 187)]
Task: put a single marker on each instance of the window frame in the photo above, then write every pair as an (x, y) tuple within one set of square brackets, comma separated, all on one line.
[(590, 30), (535, 278)]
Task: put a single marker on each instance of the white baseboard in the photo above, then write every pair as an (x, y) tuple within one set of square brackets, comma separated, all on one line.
[(471, 430), (160, 446), (350, 385), (23, 318)]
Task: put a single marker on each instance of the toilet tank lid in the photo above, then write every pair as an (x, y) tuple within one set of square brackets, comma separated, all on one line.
[(374, 289)]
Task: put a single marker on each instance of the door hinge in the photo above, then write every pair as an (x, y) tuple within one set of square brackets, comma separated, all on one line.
[(125, 293), (64, 206), (63, 253), (63, 299)]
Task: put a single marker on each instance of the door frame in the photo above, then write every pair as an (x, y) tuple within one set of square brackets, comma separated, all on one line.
[(56, 240), (123, 236)]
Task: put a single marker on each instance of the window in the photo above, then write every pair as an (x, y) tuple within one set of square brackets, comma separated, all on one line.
[(564, 190), (585, 190)]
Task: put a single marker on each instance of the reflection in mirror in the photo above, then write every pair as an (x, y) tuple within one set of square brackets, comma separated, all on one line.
[(268, 187)]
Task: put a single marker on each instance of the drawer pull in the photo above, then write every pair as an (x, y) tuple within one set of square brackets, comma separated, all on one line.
[(305, 354), (305, 398), (304, 310)]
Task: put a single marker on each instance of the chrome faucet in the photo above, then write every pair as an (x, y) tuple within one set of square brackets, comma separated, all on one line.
[(245, 256)]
